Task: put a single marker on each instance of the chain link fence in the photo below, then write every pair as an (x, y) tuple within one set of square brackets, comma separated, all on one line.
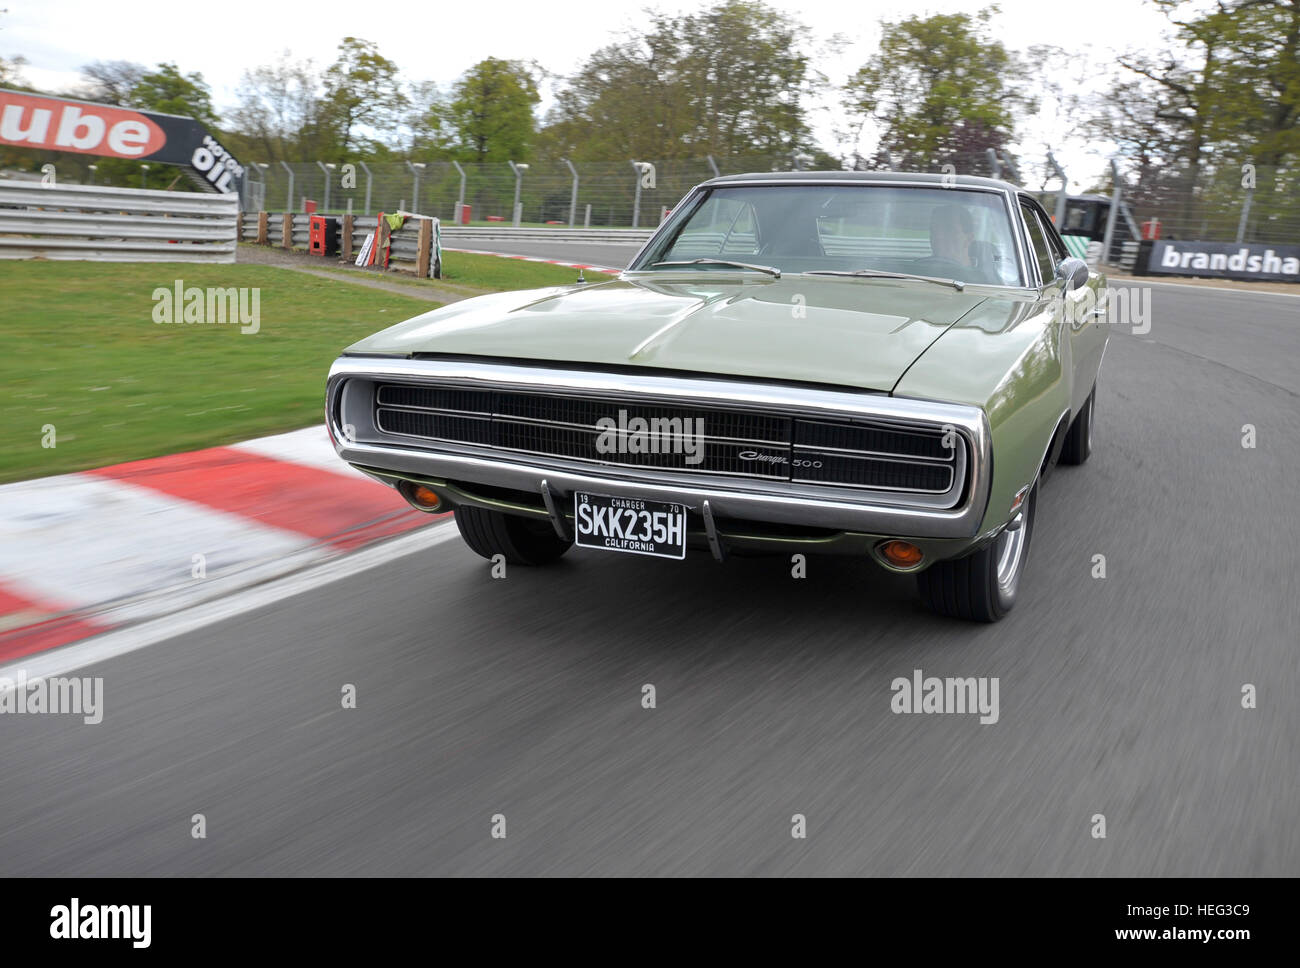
[(604, 194), (618, 195), (598, 194), (1223, 209)]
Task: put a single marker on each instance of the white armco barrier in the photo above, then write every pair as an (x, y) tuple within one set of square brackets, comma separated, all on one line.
[(115, 224)]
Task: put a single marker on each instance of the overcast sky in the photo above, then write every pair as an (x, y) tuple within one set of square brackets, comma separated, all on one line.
[(439, 40)]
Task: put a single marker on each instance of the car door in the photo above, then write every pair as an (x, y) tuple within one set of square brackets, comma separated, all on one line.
[(1081, 312)]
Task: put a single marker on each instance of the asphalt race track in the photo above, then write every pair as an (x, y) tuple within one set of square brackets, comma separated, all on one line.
[(614, 256), (522, 696)]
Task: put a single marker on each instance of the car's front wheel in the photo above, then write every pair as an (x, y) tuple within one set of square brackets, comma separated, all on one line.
[(982, 586), (523, 541), (1078, 439)]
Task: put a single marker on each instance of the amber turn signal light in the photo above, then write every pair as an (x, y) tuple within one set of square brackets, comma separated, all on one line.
[(425, 498), (901, 554)]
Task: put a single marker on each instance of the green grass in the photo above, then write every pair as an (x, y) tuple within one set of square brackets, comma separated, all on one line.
[(83, 353), (474, 274)]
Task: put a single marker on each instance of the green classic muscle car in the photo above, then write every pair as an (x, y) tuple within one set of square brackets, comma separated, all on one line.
[(862, 363)]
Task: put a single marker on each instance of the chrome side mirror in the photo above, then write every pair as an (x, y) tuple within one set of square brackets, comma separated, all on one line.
[(1073, 272)]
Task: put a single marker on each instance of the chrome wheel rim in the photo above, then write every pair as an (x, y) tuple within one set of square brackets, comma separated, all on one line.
[(1010, 556)]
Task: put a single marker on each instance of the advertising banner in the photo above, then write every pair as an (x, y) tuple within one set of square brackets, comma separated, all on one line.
[(1226, 260), (61, 124)]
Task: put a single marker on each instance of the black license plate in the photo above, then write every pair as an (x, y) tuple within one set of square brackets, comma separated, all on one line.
[(630, 525)]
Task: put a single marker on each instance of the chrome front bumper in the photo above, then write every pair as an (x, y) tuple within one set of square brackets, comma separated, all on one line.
[(836, 508)]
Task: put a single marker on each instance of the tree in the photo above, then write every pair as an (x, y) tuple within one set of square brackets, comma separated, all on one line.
[(939, 85), (363, 93), (491, 111), (1258, 95), (11, 71), (14, 157), (742, 63), (624, 104), (1229, 91), (110, 82), (1139, 117), (730, 80), (1188, 86), (427, 121), (278, 114), (167, 90), (126, 84)]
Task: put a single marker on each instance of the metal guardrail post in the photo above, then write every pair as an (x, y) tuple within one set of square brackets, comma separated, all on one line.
[(325, 205), (1059, 215), (246, 190), (1011, 167), (995, 164), (518, 169), (636, 204), (460, 201), (288, 202), (1134, 229), (1245, 214), (1116, 199), (415, 169), (713, 165), (370, 180), (573, 194)]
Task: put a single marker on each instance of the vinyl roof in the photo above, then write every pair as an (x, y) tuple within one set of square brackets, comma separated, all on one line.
[(849, 177)]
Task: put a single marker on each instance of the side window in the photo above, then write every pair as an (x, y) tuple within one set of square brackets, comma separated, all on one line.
[(722, 227), (1038, 244), (742, 233), (1053, 235)]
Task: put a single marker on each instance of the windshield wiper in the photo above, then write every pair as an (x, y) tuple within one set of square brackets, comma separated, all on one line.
[(773, 272), (877, 274)]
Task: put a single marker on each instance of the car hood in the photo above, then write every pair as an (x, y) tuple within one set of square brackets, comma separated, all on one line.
[(849, 332)]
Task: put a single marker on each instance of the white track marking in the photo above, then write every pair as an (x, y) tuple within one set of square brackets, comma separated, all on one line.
[(70, 658), (86, 542), (310, 447), (1191, 289), (555, 262)]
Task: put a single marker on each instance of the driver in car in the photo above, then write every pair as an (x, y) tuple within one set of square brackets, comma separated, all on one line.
[(952, 230)]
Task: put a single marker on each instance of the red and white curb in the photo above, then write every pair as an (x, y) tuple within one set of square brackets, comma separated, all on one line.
[(533, 258), (81, 554)]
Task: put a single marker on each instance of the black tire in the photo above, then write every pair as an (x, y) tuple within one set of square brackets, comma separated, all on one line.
[(1078, 439), (969, 588), (524, 541)]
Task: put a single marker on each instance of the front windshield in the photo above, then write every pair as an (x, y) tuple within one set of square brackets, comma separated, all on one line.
[(950, 233)]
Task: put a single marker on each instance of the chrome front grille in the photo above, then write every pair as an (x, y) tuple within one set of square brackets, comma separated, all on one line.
[(734, 441)]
